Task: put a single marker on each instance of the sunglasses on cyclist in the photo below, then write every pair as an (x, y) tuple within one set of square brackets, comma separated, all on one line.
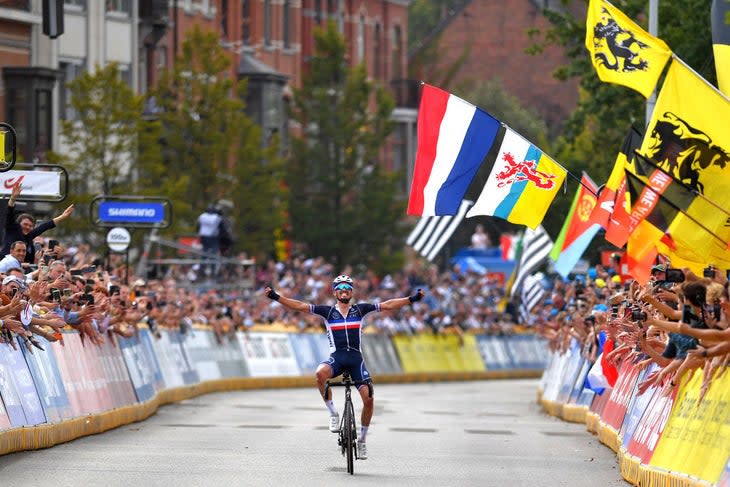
[(343, 287)]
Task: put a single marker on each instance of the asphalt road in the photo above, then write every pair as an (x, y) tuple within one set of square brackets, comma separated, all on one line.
[(489, 433)]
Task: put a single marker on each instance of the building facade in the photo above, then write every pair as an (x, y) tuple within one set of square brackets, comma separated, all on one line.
[(270, 43)]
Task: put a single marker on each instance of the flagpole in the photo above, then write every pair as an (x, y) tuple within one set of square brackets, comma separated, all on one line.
[(681, 183), (653, 30)]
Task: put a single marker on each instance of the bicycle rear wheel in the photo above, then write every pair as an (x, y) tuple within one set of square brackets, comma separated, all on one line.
[(350, 436)]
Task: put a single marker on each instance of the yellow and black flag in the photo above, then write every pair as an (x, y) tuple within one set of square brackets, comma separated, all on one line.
[(621, 51), (721, 43), (686, 140)]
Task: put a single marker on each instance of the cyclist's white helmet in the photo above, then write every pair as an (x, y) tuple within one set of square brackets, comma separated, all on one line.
[(341, 279)]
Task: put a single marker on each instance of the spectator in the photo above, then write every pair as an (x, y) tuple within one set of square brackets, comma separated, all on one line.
[(479, 240), (23, 227), (209, 224), (14, 258)]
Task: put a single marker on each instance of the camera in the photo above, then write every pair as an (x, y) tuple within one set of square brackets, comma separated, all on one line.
[(52, 244), (614, 311), (55, 295), (67, 292), (709, 272), (88, 298), (674, 275), (579, 288), (638, 315), (47, 259), (113, 289), (589, 320)]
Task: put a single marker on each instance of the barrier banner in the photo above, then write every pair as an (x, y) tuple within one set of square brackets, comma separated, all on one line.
[(17, 389), (268, 354), (639, 404), (623, 391), (586, 398), (696, 436), (306, 352), (141, 369), (4, 419), (229, 358), (553, 386), (600, 402), (199, 347), (380, 355), (170, 357), (118, 382), (526, 352), (650, 428), (72, 380), (146, 338), (494, 352), (438, 353), (570, 374), (580, 381), (93, 374), (549, 373), (48, 382), (181, 358)]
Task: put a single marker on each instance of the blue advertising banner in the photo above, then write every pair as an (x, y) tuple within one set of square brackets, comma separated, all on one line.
[(305, 350), (131, 212), (183, 360), (48, 382), (18, 373)]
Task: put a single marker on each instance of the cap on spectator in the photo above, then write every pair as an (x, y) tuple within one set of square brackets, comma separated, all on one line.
[(616, 279), (18, 281), (600, 307), (139, 283), (592, 273), (658, 268), (600, 283)]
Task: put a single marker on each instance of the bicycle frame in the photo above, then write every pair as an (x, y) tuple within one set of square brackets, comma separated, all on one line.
[(347, 438)]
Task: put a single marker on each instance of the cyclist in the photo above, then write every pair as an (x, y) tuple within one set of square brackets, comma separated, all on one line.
[(344, 330)]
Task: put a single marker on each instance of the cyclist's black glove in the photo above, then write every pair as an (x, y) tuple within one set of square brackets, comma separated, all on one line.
[(416, 297), (273, 295)]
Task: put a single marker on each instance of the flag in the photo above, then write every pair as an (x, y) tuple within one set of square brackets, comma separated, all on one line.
[(607, 199), (579, 228), (522, 184), (454, 137), (432, 232), (532, 292), (536, 245), (621, 51), (720, 14), (688, 139), (508, 245)]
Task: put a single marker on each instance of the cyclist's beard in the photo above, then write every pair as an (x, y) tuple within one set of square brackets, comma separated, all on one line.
[(343, 300)]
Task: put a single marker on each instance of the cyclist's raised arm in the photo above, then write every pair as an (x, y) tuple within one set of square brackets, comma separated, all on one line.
[(290, 303), (398, 303)]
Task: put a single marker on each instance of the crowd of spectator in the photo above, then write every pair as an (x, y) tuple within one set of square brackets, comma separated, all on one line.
[(678, 320), (48, 285)]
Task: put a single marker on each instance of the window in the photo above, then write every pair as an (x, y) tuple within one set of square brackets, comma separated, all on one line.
[(377, 52), (126, 74), (71, 70), (161, 60), (267, 22), (318, 12), (224, 18), (286, 21), (43, 114), (246, 21), (397, 53), (123, 6), (361, 39), (79, 4)]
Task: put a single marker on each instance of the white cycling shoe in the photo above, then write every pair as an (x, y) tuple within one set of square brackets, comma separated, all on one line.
[(335, 423), (362, 450)]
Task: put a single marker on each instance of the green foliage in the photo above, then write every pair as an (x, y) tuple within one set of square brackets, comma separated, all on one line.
[(424, 16), (344, 206), (101, 140), (209, 150)]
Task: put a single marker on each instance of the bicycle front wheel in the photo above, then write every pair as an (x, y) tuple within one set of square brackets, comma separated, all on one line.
[(350, 437)]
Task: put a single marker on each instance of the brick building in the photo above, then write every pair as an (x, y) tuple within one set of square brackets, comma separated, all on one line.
[(496, 34)]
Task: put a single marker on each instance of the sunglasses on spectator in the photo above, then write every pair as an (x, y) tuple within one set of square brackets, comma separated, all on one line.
[(343, 287)]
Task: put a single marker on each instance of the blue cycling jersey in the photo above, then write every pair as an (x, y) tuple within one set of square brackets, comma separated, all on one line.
[(344, 332)]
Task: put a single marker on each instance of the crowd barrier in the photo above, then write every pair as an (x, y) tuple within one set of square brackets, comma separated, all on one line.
[(665, 436), (72, 388)]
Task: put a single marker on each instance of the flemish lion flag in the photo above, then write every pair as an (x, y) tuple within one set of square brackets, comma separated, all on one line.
[(720, 13), (621, 51)]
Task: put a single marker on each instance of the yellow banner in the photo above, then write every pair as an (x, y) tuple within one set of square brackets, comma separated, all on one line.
[(621, 51), (696, 438), (438, 353), (689, 138)]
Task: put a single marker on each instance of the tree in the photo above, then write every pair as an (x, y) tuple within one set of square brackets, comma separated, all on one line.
[(206, 139), (344, 205), (101, 138)]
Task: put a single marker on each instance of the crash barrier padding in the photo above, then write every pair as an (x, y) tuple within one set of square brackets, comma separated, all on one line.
[(674, 436), (74, 388)]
